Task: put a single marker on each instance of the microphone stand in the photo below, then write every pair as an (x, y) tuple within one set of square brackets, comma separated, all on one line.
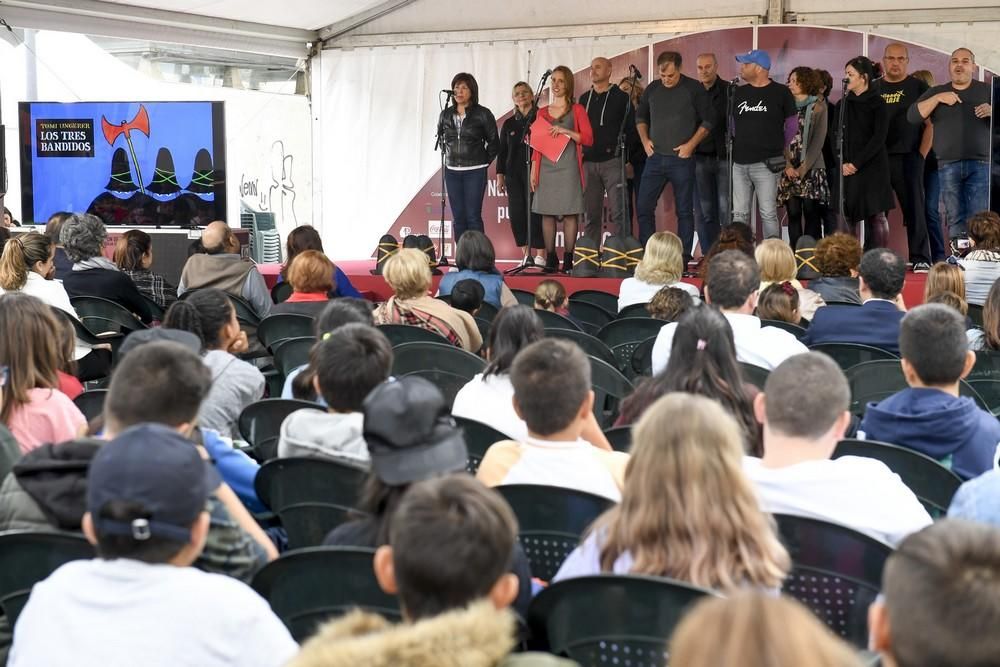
[(439, 144), (841, 129), (622, 154), (529, 261)]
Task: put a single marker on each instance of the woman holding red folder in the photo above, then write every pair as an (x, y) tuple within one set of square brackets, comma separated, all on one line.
[(558, 184)]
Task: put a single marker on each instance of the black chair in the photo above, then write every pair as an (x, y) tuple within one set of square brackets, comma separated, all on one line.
[(634, 310), (551, 520), (604, 300), (591, 317), (524, 297), (281, 291), (836, 572), (407, 333), (976, 314), (874, 381), (311, 496), (587, 343), (793, 329), (852, 354), (156, 310), (552, 320), (309, 586), (620, 438), (932, 483), (245, 314), (987, 366), (624, 335), (607, 619), (283, 326), (291, 353), (478, 438), (755, 375), (260, 424), (989, 390), (610, 388), (841, 303), (103, 315), (448, 367), (487, 311), (91, 403), (641, 364), (26, 558)]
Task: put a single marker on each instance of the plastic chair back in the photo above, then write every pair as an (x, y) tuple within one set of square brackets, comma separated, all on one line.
[(552, 320), (836, 572), (976, 314), (620, 438), (851, 354), (524, 297), (91, 403), (487, 311), (753, 374), (407, 333), (551, 520), (932, 483), (310, 586), (642, 359), (449, 368), (281, 291), (102, 315), (587, 343), (793, 329), (989, 390), (634, 310), (875, 381), (291, 353), (260, 423), (478, 438), (987, 366), (610, 388), (276, 328), (310, 496), (604, 300), (26, 558), (590, 316), (624, 335), (245, 313)]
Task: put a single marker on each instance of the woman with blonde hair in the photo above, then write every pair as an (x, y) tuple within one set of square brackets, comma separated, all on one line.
[(777, 265), (687, 510), (661, 266), (409, 276), (753, 629), (944, 277)]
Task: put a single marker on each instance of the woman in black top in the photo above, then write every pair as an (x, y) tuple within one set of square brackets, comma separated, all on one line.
[(867, 190), (512, 170), (469, 138)]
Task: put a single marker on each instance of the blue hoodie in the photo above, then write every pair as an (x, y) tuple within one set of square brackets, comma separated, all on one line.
[(939, 425)]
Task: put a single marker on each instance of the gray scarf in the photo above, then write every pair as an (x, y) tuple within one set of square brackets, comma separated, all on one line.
[(99, 262)]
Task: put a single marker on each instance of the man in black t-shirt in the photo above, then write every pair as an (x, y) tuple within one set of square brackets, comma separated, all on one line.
[(711, 164), (764, 123), (906, 164)]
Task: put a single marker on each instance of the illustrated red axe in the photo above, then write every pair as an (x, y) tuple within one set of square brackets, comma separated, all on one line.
[(140, 124)]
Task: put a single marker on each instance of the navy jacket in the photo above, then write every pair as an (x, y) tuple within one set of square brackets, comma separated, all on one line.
[(875, 323)]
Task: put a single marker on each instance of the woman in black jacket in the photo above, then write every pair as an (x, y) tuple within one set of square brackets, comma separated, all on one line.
[(512, 171), (867, 190), (468, 132)]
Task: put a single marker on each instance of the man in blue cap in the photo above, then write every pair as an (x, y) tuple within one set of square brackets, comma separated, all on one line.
[(764, 122)]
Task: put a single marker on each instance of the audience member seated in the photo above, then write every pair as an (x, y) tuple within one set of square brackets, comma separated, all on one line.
[(33, 409), (776, 260), (488, 397), (448, 560), (66, 342), (305, 237), (731, 286), (944, 277), (687, 511), (468, 295), (978, 499), (550, 295), (311, 276), (409, 276), (26, 267), (982, 263), (754, 629), (223, 267), (779, 302), (337, 312), (476, 260), (736, 236), (939, 602), (930, 417), (134, 256), (670, 304), (140, 602), (94, 274), (53, 229), (210, 315), (837, 258), (163, 383), (552, 394), (662, 266), (349, 363), (702, 361), (876, 322), (804, 413), (957, 304), (10, 450), (987, 339)]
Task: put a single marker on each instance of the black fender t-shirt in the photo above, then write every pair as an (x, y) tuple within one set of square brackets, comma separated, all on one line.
[(759, 121), (904, 136)]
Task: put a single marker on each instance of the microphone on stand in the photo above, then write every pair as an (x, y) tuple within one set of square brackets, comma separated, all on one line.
[(449, 92), (634, 71)]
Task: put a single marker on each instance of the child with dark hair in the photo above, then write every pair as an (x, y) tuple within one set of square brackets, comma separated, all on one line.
[(475, 259), (468, 295), (349, 363)]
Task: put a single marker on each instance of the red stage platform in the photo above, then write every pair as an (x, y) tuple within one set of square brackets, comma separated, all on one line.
[(376, 289)]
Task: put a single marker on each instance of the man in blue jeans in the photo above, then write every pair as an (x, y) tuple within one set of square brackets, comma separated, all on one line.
[(764, 122), (673, 117), (711, 158), (960, 113)]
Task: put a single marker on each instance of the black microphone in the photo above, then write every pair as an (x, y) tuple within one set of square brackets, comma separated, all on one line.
[(635, 72), (845, 80), (547, 74), (449, 92)]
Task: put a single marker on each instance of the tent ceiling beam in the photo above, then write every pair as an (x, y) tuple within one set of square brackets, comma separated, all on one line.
[(873, 17), (339, 28)]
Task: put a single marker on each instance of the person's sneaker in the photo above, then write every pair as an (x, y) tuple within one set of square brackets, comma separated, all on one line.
[(921, 267)]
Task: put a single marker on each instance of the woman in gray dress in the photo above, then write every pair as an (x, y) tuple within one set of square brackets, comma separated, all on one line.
[(558, 186)]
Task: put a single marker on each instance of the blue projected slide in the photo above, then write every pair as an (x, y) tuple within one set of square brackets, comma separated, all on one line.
[(130, 163)]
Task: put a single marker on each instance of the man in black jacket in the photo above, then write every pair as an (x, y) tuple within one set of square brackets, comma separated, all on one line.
[(711, 163)]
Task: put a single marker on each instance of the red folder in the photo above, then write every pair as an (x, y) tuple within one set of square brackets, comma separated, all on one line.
[(543, 142)]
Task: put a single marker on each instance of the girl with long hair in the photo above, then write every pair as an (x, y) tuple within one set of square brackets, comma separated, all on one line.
[(134, 255)]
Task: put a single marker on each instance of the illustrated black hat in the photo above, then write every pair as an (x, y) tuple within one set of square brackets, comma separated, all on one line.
[(203, 178), (121, 173), (164, 178)]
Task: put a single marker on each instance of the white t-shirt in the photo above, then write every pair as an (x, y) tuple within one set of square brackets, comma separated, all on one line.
[(123, 613), (489, 400), (853, 491), (761, 346), (633, 290)]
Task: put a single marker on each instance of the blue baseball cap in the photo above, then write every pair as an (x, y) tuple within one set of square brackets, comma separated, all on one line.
[(756, 57), (153, 466)]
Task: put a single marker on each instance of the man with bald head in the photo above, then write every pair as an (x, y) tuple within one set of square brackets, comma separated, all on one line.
[(609, 109), (960, 113), (224, 268), (711, 162)]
